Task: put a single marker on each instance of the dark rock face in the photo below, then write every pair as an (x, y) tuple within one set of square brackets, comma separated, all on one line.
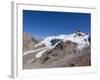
[(89, 39), (78, 33), (54, 41)]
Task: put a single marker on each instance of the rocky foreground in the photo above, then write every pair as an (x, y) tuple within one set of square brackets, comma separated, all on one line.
[(65, 54)]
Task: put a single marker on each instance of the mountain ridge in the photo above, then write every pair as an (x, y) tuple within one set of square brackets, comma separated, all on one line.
[(60, 51)]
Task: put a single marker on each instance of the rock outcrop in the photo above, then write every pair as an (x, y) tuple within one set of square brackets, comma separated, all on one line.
[(28, 42)]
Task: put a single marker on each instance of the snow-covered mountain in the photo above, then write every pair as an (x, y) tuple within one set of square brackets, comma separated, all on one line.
[(59, 51), (80, 38)]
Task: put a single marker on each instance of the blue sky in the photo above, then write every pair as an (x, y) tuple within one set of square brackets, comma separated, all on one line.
[(41, 24)]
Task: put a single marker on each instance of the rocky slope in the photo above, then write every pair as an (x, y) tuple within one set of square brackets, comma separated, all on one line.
[(57, 51), (28, 42), (64, 54)]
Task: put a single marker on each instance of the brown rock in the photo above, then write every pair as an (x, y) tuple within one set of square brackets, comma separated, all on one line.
[(28, 42)]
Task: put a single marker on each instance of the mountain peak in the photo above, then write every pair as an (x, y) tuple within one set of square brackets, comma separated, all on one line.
[(78, 37)]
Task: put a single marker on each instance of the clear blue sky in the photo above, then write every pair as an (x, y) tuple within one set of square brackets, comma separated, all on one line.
[(41, 24)]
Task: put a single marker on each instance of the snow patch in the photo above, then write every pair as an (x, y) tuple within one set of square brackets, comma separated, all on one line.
[(39, 54)]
